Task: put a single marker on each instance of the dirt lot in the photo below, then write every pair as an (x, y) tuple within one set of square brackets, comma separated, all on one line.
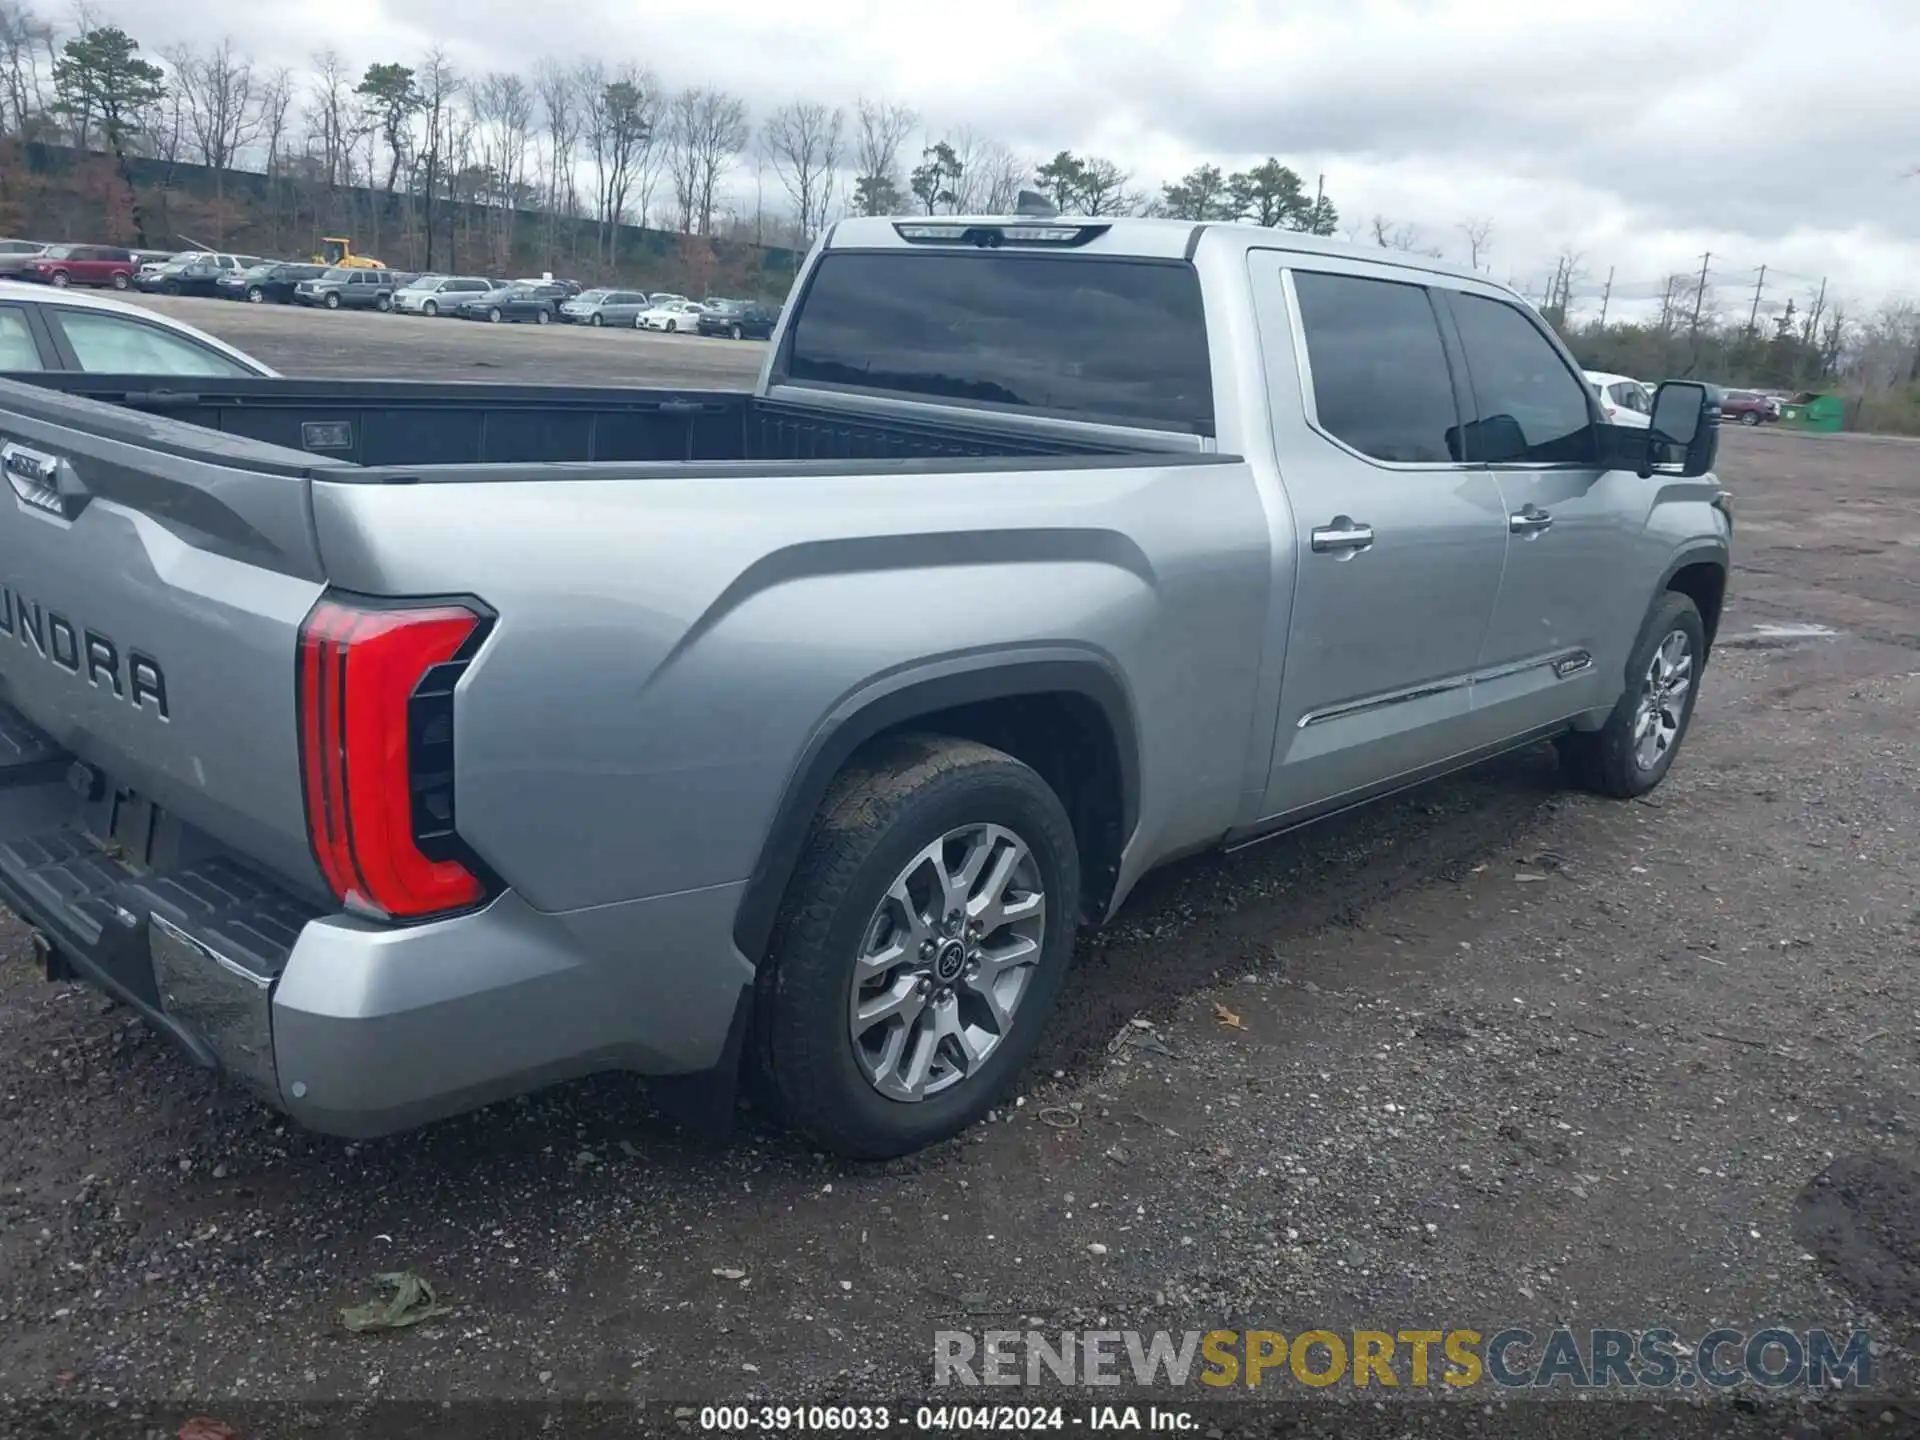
[(1491, 1054), (361, 344)]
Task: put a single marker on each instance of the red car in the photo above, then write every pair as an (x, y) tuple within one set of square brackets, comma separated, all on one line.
[(1748, 408), (83, 265)]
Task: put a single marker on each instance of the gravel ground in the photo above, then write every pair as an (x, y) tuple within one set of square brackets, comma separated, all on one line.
[(1489, 1054)]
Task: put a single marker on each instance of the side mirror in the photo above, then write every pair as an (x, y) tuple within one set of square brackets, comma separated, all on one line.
[(1684, 430)]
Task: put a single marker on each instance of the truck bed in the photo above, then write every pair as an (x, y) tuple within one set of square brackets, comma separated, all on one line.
[(380, 423)]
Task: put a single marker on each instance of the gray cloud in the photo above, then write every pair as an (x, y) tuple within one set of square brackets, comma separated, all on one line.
[(1637, 131)]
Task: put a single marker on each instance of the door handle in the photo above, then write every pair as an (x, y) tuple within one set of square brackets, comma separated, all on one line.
[(1344, 534), (1529, 520)]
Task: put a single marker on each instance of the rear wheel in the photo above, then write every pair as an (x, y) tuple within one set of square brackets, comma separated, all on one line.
[(121, 280), (1750, 417), (383, 304), (736, 333), (1633, 751), (920, 949)]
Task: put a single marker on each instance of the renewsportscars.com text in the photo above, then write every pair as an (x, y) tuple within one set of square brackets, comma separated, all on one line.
[(1512, 1359)]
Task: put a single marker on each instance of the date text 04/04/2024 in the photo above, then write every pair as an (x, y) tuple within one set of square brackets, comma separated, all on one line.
[(879, 1419)]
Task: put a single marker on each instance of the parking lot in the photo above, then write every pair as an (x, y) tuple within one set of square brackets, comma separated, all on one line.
[(1489, 1054)]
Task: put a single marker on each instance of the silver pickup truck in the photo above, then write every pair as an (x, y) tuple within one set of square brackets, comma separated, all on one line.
[(397, 747)]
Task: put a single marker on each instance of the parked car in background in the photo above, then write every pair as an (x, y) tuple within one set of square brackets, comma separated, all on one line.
[(566, 288), (431, 294), (1623, 399), (270, 282), (674, 317), (101, 265), (197, 272), (341, 288), (43, 329), (19, 257), (666, 297), (538, 302), (738, 320), (1749, 407), (604, 307)]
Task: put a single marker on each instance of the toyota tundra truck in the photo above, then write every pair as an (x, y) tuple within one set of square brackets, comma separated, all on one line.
[(397, 747)]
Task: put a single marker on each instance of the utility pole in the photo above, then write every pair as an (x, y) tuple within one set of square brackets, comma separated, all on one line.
[(1666, 306), (1753, 315), (1606, 295), (1699, 297)]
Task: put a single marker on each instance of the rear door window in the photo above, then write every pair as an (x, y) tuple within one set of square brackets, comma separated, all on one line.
[(1532, 409), (107, 344), (1120, 342), (1378, 368), (18, 349)]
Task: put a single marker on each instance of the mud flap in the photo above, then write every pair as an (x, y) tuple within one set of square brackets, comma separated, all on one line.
[(704, 1102)]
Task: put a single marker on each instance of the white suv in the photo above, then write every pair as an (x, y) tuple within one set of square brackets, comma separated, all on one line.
[(1623, 399)]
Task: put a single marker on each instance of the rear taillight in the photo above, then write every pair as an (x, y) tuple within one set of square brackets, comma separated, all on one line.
[(375, 692)]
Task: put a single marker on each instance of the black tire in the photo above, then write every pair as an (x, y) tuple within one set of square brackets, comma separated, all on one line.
[(736, 333), (1750, 417), (493, 315), (595, 320), (332, 302), (256, 296), (384, 304), (430, 309), (1604, 760), (672, 327), (542, 317), (879, 813), (172, 287), (61, 279), (121, 281)]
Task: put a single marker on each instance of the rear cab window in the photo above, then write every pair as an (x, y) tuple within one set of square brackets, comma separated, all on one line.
[(1114, 341)]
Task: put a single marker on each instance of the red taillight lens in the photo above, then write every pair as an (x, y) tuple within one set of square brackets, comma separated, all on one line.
[(365, 714)]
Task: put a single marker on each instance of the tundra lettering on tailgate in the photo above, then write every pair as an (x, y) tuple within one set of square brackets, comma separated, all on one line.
[(46, 633)]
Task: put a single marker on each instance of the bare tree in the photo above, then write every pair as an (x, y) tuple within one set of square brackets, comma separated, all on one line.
[(222, 114), (1389, 236), (880, 129), (560, 113), (998, 177), (503, 107), (329, 115), (439, 89), (1479, 233), (24, 40), (706, 131), (803, 142)]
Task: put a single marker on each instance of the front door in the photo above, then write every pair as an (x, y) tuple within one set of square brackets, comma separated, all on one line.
[(1564, 621), (1398, 541)]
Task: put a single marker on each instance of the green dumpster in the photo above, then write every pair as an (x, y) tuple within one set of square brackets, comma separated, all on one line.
[(1820, 413)]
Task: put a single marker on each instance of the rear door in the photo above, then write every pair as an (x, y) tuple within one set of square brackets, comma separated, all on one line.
[(1562, 618), (1399, 542), (153, 577)]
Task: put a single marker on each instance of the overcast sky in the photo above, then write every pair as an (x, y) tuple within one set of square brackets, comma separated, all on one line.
[(1638, 133)]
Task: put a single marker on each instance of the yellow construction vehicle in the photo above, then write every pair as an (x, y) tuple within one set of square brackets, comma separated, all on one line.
[(337, 251)]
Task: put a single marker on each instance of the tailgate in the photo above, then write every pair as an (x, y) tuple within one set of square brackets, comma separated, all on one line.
[(153, 577)]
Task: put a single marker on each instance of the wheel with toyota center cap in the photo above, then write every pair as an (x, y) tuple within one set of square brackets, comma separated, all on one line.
[(920, 949)]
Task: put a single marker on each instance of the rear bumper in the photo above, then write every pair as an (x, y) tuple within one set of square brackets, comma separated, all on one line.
[(350, 1028)]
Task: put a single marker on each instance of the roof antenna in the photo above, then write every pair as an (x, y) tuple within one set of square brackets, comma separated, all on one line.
[(1032, 202)]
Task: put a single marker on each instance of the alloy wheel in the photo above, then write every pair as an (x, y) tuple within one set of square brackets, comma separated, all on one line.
[(1664, 693), (945, 961)]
